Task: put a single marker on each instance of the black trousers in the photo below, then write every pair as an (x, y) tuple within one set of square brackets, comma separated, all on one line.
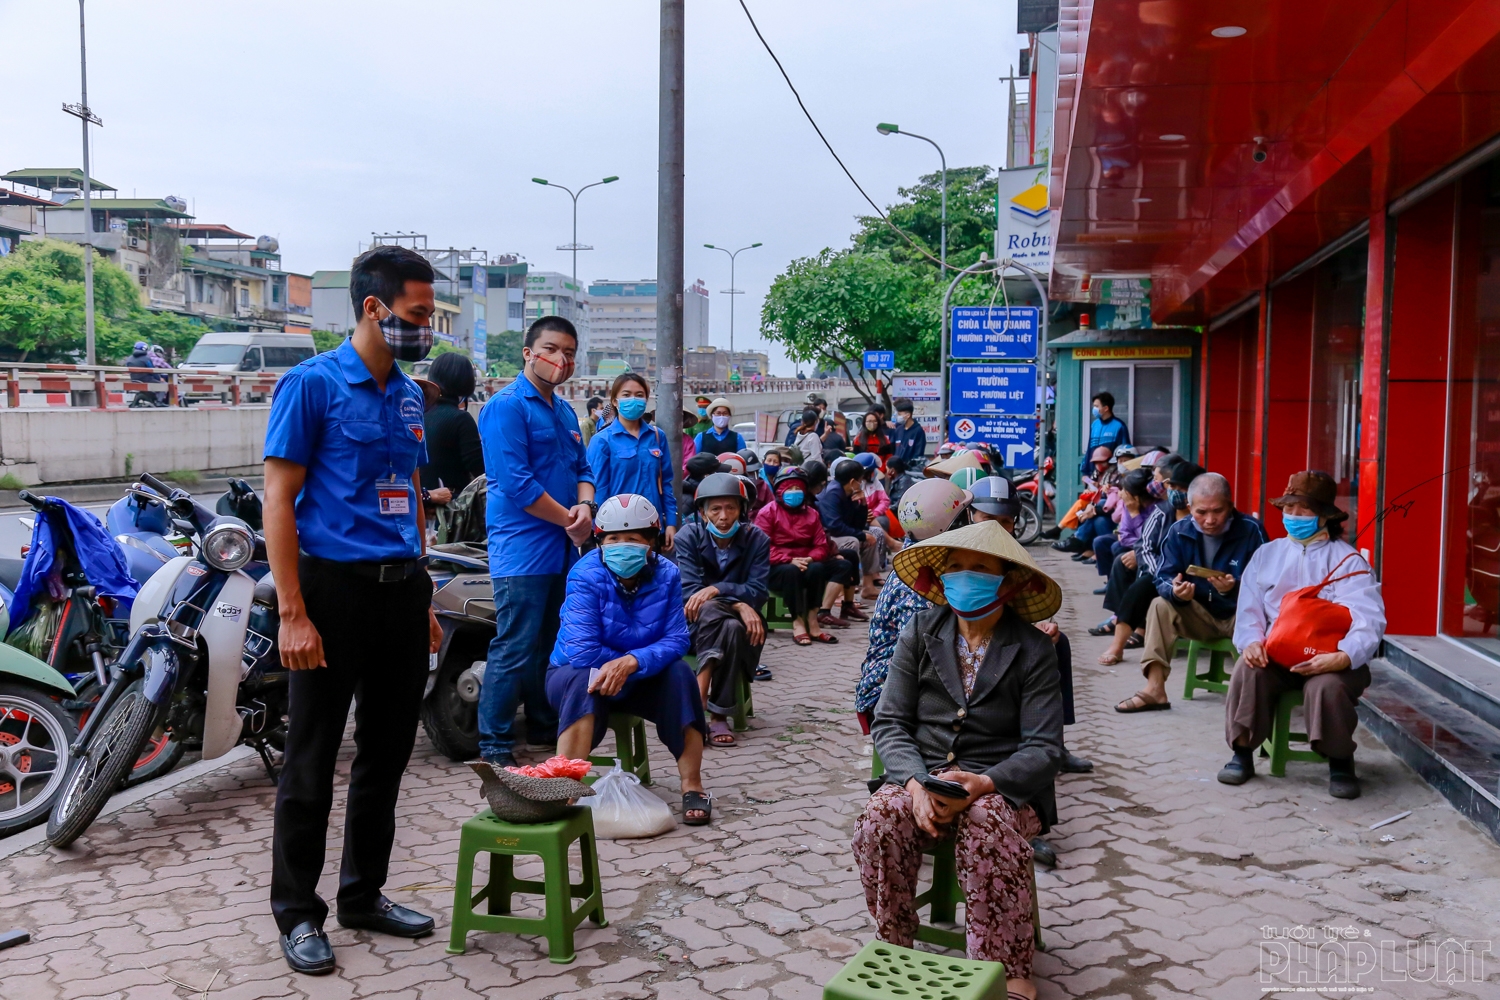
[(719, 637), (1136, 601), (375, 640), (1120, 579), (1064, 650), (803, 589)]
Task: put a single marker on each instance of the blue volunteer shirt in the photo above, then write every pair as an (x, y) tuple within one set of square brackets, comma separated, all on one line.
[(624, 463), (329, 416), (531, 447)]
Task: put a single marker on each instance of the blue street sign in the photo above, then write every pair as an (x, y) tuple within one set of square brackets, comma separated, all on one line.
[(989, 332), (1016, 439), (879, 360), (1003, 390)]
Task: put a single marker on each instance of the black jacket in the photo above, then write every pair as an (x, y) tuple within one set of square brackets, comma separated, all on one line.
[(743, 577), (1183, 547), (1010, 728), (842, 517), (454, 454)]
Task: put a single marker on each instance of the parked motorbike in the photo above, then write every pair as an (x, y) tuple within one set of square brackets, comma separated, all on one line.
[(201, 664), (464, 600), (36, 732), (1030, 528)]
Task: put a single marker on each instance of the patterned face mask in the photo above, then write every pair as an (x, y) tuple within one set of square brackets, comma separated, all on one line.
[(407, 340)]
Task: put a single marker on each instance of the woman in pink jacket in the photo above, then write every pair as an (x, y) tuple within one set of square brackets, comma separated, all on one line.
[(807, 570)]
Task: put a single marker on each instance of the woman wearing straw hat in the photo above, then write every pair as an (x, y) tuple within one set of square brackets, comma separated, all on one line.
[(969, 727)]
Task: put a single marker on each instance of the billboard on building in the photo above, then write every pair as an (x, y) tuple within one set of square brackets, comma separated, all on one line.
[(1023, 220)]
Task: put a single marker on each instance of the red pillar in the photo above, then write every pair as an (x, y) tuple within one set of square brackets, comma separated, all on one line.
[(1257, 485), (1372, 391)]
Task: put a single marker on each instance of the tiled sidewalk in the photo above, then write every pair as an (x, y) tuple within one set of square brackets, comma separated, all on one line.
[(1168, 886)]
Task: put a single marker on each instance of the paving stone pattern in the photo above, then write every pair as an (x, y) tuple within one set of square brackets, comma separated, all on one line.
[(1168, 882)]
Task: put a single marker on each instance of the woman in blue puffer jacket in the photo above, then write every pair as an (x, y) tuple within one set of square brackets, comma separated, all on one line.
[(621, 644)]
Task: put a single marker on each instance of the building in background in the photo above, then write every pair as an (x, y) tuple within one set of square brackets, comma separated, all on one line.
[(622, 322), (715, 363), (550, 293), (507, 272)]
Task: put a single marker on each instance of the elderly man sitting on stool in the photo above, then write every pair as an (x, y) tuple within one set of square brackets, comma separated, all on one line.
[(1315, 557), (1197, 581)]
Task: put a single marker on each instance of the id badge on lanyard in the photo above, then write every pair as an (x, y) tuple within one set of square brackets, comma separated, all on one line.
[(394, 495)]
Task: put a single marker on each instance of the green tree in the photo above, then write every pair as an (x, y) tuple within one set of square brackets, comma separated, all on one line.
[(831, 308), (503, 350), (971, 220), (326, 340)]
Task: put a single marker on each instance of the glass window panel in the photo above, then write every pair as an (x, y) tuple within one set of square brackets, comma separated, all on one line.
[(1153, 405)]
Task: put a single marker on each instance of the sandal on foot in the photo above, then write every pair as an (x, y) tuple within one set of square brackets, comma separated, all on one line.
[(1138, 703), (719, 733), (1136, 641), (697, 802), (1104, 628), (852, 613), (762, 674), (803, 640), (827, 618), (1109, 659), (823, 637)]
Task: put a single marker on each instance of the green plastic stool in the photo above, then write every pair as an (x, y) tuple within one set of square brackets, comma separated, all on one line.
[(945, 891), (1216, 679), (778, 616), (630, 748), (889, 972), (1278, 745), (744, 706), (549, 841)]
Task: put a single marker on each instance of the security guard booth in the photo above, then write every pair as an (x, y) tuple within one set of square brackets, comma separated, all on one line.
[(1153, 375)]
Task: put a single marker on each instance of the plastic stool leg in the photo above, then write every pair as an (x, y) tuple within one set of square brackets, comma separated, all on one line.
[(463, 906)]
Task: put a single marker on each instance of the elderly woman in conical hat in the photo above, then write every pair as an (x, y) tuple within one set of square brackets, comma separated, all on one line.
[(969, 728)]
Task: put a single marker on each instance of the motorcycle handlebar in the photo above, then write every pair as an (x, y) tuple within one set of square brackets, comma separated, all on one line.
[(156, 484), (36, 502)]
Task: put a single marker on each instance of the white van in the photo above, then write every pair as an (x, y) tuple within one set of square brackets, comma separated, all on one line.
[(248, 351)]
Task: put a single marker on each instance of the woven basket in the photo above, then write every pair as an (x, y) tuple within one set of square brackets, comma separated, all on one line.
[(517, 798)]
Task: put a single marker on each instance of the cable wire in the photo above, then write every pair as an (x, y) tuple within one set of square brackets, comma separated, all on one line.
[(834, 153)]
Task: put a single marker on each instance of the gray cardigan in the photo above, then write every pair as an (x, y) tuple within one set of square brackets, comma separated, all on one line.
[(1010, 728)]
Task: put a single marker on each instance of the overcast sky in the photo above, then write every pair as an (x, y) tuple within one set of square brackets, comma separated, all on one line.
[(320, 122)]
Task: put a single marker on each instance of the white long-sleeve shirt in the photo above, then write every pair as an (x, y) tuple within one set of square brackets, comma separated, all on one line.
[(1285, 565)]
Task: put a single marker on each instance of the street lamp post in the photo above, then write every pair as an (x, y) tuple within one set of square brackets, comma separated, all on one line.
[(575, 246), (885, 128), (732, 291), (86, 116)]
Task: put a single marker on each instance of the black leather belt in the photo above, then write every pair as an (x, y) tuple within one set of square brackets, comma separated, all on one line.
[(380, 572)]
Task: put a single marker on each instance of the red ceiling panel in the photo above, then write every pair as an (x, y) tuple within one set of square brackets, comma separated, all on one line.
[(1320, 80)]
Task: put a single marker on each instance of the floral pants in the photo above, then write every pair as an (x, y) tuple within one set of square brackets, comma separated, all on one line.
[(992, 854)]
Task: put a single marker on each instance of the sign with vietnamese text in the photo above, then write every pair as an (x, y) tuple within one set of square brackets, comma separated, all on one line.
[(994, 332), (917, 388), (1015, 439), (1008, 390), (1118, 353), (879, 360)]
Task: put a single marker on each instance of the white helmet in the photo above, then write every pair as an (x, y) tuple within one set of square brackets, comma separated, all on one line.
[(626, 512), (930, 507)]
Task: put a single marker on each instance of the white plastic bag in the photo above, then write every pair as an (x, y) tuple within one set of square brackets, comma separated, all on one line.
[(623, 809)]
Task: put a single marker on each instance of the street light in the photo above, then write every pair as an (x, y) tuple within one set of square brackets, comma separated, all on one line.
[(886, 128), (575, 246), (86, 116), (732, 291)]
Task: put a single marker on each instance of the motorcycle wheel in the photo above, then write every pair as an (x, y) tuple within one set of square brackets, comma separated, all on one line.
[(452, 724), (160, 754), (35, 734), (104, 764), (1028, 527)]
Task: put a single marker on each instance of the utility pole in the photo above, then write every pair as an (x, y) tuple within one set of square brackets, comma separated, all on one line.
[(669, 230), (86, 116), (732, 291)]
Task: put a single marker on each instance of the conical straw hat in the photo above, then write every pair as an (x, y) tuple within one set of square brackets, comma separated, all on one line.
[(948, 466), (1034, 594)]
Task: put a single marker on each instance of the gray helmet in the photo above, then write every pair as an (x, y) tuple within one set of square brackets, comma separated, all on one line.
[(993, 495), (722, 484)]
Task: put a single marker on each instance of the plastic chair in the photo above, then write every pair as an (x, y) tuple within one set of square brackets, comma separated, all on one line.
[(630, 748), (778, 616), (1216, 679), (1278, 745), (889, 972), (485, 834)]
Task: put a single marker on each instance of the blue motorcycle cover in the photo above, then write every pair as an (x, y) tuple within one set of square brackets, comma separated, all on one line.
[(103, 562)]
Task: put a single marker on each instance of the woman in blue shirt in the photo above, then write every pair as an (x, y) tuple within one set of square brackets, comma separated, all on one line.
[(629, 455)]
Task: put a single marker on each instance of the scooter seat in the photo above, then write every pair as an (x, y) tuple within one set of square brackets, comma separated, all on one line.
[(265, 591), (10, 572)]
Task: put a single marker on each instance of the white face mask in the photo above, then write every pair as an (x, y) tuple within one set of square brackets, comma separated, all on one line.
[(721, 421)]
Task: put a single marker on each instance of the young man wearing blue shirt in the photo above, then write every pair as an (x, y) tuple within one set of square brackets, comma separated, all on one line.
[(908, 437), (540, 505), (345, 540), (1105, 429)]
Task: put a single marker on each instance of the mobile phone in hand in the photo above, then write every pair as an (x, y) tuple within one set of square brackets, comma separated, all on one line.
[(947, 789)]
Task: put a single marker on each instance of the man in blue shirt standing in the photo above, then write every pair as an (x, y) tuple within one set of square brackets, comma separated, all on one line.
[(908, 437), (1106, 429), (540, 505), (345, 539)]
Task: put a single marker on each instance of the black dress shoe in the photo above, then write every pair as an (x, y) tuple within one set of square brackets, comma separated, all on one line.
[(1042, 853), (1342, 783), (387, 918), (1052, 532), (307, 949), (1074, 764), (1240, 769)]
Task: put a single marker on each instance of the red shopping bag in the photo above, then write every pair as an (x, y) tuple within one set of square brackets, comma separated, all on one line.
[(1308, 625)]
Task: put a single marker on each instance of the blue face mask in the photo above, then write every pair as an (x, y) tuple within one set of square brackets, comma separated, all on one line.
[(770, 472), (1300, 528), (702, 411), (792, 498), (717, 532), (970, 594), (625, 559), (1178, 499), (632, 407), (1096, 411)]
